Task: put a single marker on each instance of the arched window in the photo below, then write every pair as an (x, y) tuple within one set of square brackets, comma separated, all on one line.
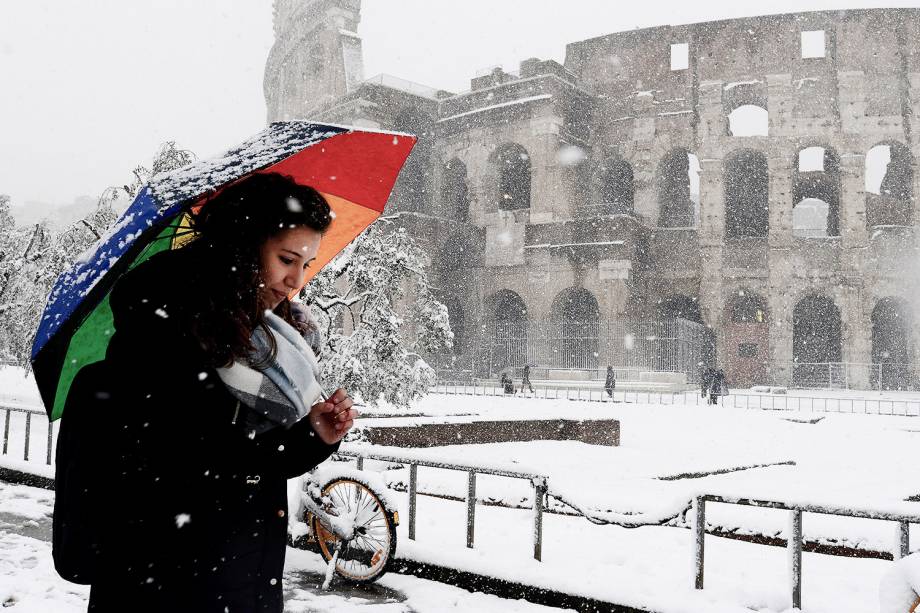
[(891, 344), (889, 185), (576, 312), (749, 120), (816, 193), (513, 173), (616, 185), (747, 186), (678, 189), (454, 190), (748, 308)]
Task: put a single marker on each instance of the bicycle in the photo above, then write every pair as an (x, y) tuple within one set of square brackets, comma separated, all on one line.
[(348, 520)]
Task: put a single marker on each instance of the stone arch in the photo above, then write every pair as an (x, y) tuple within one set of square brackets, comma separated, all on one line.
[(891, 344), (678, 189), (511, 164), (615, 185), (455, 258), (455, 190), (745, 108), (507, 330), (576, 313), (413, 185), (816, 192), (747, 192), (889, 184), (747, 338), (817, 344)]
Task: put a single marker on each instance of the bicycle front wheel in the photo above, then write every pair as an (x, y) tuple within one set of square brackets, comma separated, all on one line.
[(366, 557)]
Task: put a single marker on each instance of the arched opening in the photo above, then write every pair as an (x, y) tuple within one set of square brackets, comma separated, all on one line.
[(576, 312), (513, 172), (678, 189), (889, 185), (747, 336), (749, 120), (507, 330), (816, 193), (456, 320), (816, 343), (747, 187), (412, 191), (616, 185), (891, 345), (454, 190)]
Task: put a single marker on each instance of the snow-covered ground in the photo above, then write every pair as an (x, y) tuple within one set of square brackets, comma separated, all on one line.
[(668, 454)]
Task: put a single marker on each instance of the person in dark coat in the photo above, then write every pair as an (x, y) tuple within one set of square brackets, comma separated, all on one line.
[(525, 379), (196, 518), (718, 386), (706, 380), (610, 383)]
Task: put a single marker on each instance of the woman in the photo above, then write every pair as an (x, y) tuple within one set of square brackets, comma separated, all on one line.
[(214, 420)]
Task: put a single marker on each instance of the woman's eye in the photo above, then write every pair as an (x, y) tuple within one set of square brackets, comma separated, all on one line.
[(286, 261)]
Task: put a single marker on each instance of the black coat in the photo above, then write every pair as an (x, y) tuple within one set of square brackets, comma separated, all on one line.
[(198, 510)]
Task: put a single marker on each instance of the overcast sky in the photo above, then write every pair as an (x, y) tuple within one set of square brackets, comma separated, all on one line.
[(90, 88)]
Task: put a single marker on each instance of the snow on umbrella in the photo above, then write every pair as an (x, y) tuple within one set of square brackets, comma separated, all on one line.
[(354, 169)]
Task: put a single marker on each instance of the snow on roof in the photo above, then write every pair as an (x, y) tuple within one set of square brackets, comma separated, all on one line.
[(403, 85), (498, 106)]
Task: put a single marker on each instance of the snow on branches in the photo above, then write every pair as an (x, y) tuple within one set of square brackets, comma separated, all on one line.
[(380, 317)]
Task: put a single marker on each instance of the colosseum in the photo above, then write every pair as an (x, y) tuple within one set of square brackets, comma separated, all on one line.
[(737, 193)]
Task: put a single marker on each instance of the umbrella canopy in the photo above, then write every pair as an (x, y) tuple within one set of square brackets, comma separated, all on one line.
[(354, 169)]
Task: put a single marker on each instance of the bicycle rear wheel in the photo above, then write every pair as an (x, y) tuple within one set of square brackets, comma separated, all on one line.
[(366, 557)]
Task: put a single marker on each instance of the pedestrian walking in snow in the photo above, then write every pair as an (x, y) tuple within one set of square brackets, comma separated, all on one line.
[(525, 379), (718, 386), (224, 407), (610, 383), (706, 378)]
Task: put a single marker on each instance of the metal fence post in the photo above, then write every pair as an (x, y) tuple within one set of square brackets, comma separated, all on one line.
[(699, 539), (359, 462), (795, 553), (413, 489), (25, 455), (904, 539), (470, 508), (539, 493), (6, 432), (50, 441)]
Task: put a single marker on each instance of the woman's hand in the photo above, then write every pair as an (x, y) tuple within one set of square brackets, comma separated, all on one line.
[(332, 419)]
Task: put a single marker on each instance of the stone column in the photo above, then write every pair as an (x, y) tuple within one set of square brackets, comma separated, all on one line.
[(711, 234), (780, 242)]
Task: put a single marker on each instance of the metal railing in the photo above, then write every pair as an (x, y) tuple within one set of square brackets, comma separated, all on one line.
[(764, 402), (537, 481), (795, 540), (27, 442)]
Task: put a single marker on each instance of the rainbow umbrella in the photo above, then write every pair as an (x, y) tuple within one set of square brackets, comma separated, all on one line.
[(354, 169)]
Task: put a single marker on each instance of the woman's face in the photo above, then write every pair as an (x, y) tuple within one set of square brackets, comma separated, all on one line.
[(284, 259)]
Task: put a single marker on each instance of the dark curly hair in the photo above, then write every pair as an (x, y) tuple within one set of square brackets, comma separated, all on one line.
[(231, 228)]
